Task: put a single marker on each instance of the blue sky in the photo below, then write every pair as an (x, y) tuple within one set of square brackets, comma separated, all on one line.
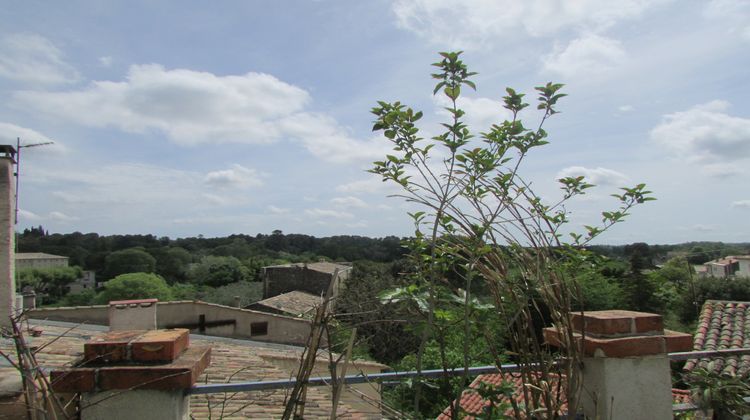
[(187, 118)]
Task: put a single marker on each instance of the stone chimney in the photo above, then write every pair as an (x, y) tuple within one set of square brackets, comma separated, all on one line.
[(135, 375), (625, 369), (7, 234), (132, 314)]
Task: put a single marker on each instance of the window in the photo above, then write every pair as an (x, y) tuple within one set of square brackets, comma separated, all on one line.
[(258, 328)]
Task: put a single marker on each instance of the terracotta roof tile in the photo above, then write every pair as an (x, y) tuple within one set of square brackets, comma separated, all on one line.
[(723, 325), (472, 403), (295, 303)]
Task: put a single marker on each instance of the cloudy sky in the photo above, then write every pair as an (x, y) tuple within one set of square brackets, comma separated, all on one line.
[(188, 117)]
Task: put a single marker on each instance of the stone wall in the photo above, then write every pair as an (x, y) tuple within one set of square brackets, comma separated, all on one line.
[(283, 279), (188, 314), (280, 280)]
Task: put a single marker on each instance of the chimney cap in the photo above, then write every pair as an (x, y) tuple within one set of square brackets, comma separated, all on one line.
[(6, 150)]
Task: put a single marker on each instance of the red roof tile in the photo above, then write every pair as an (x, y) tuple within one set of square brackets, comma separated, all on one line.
[(473, 404), (723, 325)]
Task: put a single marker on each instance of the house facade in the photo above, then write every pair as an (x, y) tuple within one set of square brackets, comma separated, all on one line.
[(39, 260)]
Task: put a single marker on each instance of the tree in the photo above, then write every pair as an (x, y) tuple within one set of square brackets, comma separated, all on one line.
[(172, 263), (218, 271), (52, 281), (135, 286), (480, 221), (132, 260)]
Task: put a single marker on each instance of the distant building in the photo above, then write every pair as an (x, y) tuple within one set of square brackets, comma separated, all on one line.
[(314, 278), (737, 265), (39, 260), (88, 281)]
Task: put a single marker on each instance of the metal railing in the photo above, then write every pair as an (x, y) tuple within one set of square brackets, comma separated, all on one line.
[(433, 373)]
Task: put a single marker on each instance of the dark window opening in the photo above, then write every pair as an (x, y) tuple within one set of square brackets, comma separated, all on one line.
[(258, 328)]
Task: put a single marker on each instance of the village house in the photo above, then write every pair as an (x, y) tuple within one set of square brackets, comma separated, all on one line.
[(733, 265), (314, 278)]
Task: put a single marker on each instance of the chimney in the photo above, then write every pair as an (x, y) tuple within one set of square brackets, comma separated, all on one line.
[(132, 314), (7, 235), (135, 374), (625, 370), (237, 302)]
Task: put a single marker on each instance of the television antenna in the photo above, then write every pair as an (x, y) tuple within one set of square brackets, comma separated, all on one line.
[(19, 146)]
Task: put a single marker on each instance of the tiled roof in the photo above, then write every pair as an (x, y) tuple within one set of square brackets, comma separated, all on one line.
[(296, 303), (723, 325), (473, 404), (323, 267), (231, 360)]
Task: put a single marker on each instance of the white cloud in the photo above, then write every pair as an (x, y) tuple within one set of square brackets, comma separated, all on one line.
[(705, 134), (481, 112), (236, 177), (596, 176), (217, 199), (589, 55), (327, 140), (372, 184), (28, 216), (105, 61), (474, 24), (625, 108), (734, 16), (192, 108), (703, 228), (328, 214), (31, 58), (278, 210), (61, 217), (348, 201), (722, 170), (741, 204)]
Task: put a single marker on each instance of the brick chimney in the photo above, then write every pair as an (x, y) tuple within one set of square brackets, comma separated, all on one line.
[(625, 369), (135, 375), (7, 235)]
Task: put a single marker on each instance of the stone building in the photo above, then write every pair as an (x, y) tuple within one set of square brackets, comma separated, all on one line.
[(314, 278), (39, 260)]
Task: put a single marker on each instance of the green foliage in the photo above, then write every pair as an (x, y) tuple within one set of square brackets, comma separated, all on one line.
[(135, 286), (693, 297), (218, 271), (184, 291), (599, 292), (83, 298), (383, 329), (52, 281), (172, 263), (248, 292), (720, 392), (133, 260), (481, 223)]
